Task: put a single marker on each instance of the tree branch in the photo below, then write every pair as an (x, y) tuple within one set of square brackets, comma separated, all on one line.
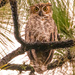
[(13, 4), (20, 67), (53, 65), (57, 63), (50, 45), (46, 45), (36, 46), (11, 55)]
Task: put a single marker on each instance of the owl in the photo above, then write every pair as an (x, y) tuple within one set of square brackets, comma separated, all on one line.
[(40, 28)]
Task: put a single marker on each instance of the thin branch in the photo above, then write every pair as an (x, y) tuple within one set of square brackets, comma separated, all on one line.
[(20, 67), (53, 65), (11, 55), (57, 63)]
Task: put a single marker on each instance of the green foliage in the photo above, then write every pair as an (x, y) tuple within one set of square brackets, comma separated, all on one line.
[(62, 18)]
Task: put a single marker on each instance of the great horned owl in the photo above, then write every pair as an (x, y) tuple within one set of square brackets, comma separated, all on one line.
[(40, 27)]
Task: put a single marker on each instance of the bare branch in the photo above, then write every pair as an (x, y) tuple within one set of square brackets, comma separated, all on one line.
[(53, 65), (20, 67), (13, 4), (50, 45), (57, 63), (11, 55), (36, 46)]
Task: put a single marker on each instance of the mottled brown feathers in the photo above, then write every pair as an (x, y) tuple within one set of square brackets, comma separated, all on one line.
[(40, 28)]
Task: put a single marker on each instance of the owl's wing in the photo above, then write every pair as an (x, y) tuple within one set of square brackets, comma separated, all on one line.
[(55, 33)]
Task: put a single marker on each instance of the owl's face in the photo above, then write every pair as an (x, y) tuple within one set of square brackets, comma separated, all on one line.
[(41, 9)]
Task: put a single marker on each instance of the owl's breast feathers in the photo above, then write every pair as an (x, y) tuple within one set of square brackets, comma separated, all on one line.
[(41, 27)]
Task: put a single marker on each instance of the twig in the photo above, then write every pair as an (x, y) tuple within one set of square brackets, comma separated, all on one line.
[(20, 67), (11, 55), (57, 63)]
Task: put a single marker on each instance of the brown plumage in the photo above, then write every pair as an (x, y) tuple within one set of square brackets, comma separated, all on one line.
[(40, 27)]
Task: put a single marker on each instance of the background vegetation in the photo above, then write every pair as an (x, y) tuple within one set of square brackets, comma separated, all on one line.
[(63, 14)]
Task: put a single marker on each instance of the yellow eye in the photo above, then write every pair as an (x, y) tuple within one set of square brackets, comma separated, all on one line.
[(45, 8), (36, 9)]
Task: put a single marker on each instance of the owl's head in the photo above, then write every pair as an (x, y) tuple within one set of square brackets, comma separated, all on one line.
[(41, 9)]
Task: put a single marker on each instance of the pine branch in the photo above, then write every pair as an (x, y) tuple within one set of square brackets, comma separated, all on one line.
[(36, 46), (19, 67), (17, 35), (11, 55), (50, 45), (53, 65)]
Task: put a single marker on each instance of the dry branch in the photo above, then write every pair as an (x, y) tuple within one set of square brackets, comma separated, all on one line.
[(11, 55), (53, 65), (43, 46), (13, 4), (19, 67), (17, 35)]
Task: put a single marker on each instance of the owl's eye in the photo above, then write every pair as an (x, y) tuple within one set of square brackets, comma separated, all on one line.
[(36, 9), (45, 8)]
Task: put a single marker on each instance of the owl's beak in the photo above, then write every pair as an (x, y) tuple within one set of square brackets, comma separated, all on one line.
[(41, 13)]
